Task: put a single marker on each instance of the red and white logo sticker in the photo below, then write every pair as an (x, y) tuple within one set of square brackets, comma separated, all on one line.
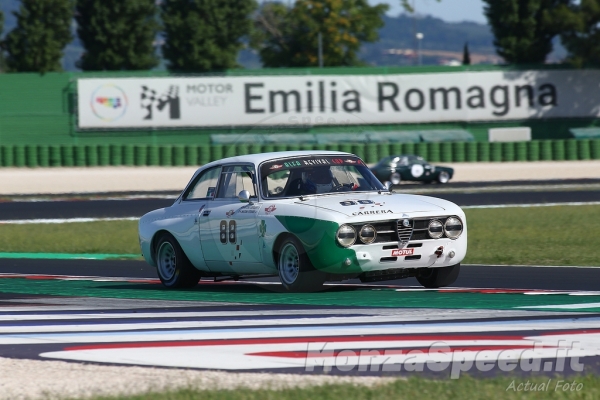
[(402, 252), (276, 166), (270, 209)]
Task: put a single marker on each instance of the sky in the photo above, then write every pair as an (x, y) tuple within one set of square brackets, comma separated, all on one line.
[(447, 10)]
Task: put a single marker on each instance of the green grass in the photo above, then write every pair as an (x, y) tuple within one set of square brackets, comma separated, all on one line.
[(561, 235), (412, 388), (114, 237)]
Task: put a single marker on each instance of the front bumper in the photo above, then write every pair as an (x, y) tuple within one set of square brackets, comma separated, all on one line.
[(394, 255)]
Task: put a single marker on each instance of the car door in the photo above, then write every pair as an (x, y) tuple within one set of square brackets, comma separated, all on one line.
[(192, 204), (229, 231)]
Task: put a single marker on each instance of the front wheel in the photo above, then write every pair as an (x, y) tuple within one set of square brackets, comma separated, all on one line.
[(438, 277), (296, 272), (395, 178), (443, 177), (174, 268)]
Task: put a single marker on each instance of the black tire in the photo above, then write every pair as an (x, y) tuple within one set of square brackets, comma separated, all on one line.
[(438, 277), (395, 177), (443, 177), (174, 268), (296, 272)]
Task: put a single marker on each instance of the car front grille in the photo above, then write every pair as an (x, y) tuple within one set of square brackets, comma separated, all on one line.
[(395, 231), (404, 232)]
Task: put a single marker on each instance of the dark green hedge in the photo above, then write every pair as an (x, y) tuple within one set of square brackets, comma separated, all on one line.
[(180, 155)]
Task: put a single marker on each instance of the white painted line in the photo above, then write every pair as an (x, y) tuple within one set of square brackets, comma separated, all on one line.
[(313, 328), (576, 203), (64, 220), (530, 266), (566, 306)]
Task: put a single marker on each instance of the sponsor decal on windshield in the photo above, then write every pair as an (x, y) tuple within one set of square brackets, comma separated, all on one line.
[(317, 161), (307, 161)]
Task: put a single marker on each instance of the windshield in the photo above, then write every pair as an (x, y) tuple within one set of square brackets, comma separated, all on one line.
[(306, 175)]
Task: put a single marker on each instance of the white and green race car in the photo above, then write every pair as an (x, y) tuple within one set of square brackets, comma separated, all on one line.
[(305, 217)]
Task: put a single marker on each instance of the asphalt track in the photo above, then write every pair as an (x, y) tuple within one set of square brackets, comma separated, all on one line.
[(118, 205), (494, 320)]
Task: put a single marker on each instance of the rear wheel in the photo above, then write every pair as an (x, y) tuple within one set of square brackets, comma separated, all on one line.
[(174, 268), (296, 272), (443, 177), (438, 277)]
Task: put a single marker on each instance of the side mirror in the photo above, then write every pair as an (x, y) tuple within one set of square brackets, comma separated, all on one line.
[(244, 196), (388, 185)]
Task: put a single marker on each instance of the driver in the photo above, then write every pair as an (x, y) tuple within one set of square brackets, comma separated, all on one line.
[(316, 180)]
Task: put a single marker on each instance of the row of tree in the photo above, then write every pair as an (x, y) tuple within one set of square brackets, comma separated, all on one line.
[(194, 35), (206, 35)]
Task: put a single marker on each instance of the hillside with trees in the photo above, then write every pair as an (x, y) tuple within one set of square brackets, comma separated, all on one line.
[(442, 43)]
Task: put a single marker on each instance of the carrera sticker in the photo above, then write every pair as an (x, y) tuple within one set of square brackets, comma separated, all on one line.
[(270, 209), (402, 252), (372, 212)]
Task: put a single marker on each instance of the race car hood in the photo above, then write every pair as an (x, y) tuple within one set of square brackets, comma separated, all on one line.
[(374, 205)]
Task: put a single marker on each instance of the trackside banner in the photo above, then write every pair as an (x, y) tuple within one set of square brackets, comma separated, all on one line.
[(336, 100)]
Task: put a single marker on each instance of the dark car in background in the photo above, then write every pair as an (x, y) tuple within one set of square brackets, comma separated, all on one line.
[(410, 167)]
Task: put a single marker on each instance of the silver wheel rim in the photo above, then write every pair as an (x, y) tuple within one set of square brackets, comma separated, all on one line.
[(166, 260), (289, 263), (444, 177)]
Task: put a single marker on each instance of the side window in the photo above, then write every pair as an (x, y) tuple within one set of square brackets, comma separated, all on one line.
[(234, 179), (205, 186), (275, 183)]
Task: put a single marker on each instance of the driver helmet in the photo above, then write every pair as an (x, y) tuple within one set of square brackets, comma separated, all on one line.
[(317, 180)]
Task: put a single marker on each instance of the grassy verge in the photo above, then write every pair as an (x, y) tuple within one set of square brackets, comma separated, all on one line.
[(561, 235), (114, 237), (413, 388)]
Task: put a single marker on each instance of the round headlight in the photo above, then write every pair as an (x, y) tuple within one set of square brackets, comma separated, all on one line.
[(436, 230), (453, 227), (367, 234), (395, 178), (346, 235)]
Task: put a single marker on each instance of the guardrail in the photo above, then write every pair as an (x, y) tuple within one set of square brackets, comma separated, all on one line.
[(179, 155)]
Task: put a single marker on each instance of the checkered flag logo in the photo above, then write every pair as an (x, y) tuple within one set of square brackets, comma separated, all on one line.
[(149, 100)]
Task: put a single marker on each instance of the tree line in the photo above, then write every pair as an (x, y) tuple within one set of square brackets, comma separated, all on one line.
[(206, 35)]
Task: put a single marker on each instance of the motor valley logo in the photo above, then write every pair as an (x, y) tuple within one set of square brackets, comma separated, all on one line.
[(108, 102), (149, 101)]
